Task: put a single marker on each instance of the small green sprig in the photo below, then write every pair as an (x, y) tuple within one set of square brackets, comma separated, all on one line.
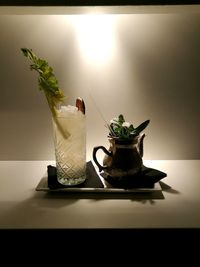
[(119, 128), (48, 83)]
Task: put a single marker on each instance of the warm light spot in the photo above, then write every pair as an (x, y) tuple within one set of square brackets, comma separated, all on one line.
[(95, 35)]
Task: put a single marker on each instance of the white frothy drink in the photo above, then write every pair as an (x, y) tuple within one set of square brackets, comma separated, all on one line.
[(70, 149)]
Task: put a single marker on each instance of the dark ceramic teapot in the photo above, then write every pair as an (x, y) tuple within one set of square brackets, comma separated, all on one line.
[(123, 158)]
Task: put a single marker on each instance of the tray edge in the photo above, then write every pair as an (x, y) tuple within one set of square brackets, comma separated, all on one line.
[(43, 186)]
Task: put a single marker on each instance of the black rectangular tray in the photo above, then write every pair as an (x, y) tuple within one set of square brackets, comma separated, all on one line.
[(94, 184)]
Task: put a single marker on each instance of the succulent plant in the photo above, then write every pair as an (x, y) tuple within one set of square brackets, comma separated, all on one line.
[(119, 128)]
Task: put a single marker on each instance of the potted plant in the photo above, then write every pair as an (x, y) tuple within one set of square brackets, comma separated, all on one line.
[(124, 156)]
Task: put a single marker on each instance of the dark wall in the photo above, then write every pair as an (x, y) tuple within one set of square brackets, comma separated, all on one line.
[(94, 2)]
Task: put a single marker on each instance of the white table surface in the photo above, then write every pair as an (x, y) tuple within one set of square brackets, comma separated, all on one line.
[(22, 207)]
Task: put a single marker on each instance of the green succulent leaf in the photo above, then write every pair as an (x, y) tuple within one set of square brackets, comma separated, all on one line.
[(141, 127), (121, 119)]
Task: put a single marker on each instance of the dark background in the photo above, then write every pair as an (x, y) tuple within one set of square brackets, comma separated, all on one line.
[(94, 2)]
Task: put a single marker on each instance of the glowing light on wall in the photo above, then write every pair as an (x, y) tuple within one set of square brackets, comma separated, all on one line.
[(95, 34)]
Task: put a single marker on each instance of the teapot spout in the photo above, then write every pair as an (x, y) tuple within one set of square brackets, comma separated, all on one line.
[(141, 147)]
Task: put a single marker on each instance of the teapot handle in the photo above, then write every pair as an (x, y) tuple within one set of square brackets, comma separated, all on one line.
[(141, 147), (95, 149)]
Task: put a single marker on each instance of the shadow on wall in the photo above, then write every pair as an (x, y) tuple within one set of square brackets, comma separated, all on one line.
[(167, 63)]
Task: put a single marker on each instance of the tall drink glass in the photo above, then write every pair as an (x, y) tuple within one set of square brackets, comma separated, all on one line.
[(70, 145)]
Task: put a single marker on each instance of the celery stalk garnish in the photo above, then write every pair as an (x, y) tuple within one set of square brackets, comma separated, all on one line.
[(48, 83)]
